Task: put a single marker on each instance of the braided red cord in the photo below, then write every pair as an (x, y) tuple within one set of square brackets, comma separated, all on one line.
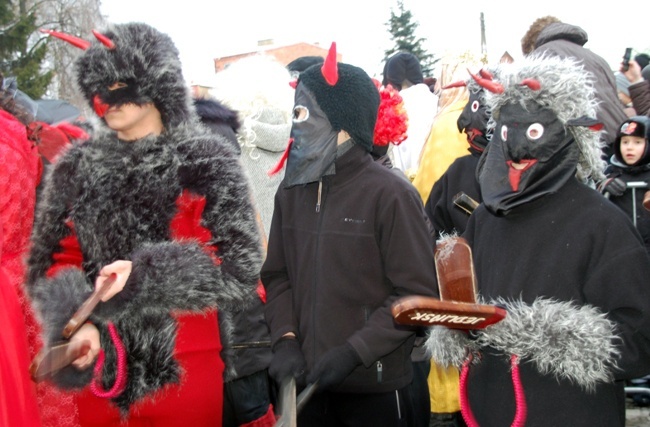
[(521, 409), (520, 398), (120, 378), (465, 410)]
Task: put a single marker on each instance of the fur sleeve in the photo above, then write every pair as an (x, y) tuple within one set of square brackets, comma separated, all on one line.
[(218, 269), (560, 338)]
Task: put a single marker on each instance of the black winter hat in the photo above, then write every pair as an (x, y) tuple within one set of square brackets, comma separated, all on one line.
[(351, 103), (402, 66), (301, 64)]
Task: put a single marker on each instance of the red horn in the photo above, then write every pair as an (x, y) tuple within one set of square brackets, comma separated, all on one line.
[(486, 74), (493, 87), (74, 41), (531, 83), (455, 84), (104, 40), (330, 68)]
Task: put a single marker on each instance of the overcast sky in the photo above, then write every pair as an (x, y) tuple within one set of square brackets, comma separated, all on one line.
[(203, 30)]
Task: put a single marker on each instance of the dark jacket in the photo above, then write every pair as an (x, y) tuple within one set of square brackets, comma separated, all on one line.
[(639, 174), (567, 41), (570, 247), (640, 94), (333, 269), (219, 119), (444, 215)]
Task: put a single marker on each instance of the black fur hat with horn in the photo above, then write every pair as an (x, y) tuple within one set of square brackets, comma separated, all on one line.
[(145, 60)]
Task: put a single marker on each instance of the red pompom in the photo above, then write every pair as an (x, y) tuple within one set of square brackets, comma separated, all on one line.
[(392, 121)]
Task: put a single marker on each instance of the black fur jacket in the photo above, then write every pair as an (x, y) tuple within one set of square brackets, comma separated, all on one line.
[(179, 207)]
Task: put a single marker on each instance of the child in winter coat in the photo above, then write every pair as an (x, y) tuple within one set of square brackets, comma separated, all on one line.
[(629, 173)]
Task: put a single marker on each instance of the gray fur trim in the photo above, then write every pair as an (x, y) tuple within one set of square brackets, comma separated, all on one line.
[(448, 347), (570, 341), (561, 338), (567, 89)]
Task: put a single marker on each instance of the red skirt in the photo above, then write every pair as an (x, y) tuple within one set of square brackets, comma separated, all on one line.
[(196, 401)]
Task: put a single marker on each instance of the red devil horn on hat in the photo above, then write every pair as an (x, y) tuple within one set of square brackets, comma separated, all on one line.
[(74, 41), (532, 84), (330, 68), (104, 40), (487, 84), (486, 74), (460, 83)]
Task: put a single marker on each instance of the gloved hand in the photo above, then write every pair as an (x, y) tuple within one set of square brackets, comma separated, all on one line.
[(613, 186), (334, 366), (287, 360)]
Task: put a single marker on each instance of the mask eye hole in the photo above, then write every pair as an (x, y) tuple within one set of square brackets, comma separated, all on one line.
[(117, 85), (475, 106), (300, 114), (504, 133), (535, 131)]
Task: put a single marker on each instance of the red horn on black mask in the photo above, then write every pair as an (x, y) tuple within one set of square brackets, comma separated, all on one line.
[(73, 40), (487, 84), (104, 40), (330, 68)]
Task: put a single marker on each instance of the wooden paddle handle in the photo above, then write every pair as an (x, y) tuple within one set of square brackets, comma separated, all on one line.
[(82, 314)]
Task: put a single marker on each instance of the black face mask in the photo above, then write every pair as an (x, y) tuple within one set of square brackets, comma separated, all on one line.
[(473, 119), (313, 150), (533, 137)]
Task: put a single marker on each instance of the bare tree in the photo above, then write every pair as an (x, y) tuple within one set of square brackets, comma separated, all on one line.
[(76, 17)]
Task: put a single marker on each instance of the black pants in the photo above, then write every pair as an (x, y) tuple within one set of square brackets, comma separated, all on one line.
[(420, 394), (329, 409), (246, 399)]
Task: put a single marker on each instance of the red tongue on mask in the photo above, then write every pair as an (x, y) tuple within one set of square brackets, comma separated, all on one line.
[(514, 175), (99, 106)]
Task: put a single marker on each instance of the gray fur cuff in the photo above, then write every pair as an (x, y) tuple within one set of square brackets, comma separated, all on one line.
[(572, 342)]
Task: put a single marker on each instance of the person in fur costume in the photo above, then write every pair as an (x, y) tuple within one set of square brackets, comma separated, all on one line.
[(161, 203), (570, 269)]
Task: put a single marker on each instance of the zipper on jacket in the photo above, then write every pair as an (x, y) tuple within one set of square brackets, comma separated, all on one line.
[(380, 370), (320, 191)]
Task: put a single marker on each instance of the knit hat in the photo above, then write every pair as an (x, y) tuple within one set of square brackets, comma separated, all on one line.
[(622, 83), (349, 99), (402, 66), (300, 64), (634, 126), (140, 56)]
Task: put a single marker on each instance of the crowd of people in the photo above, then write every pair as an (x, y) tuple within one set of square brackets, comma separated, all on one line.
[(256, 231)]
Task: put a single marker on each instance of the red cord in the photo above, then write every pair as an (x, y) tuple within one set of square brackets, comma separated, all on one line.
[(120, 378), (521, 409)]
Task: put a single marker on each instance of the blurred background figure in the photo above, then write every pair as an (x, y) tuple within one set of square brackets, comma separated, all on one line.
[(403, 72), (551, 36), (216, 116), (258, 88)]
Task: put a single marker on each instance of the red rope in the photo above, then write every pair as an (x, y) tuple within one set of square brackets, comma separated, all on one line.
[(521, 410), (120, 378)]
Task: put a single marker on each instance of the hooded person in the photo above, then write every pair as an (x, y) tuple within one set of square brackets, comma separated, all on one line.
[(161, 204), (628, 173), (348, 237), (570, 271), (446, 216)]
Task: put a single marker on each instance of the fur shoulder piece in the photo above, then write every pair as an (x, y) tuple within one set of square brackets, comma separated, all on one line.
[(560, 338)]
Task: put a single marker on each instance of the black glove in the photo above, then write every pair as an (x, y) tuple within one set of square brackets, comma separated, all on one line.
[(334, 366), (287, 360), (613, 186)]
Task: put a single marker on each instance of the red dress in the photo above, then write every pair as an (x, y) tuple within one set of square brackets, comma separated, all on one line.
[(18, 179)]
